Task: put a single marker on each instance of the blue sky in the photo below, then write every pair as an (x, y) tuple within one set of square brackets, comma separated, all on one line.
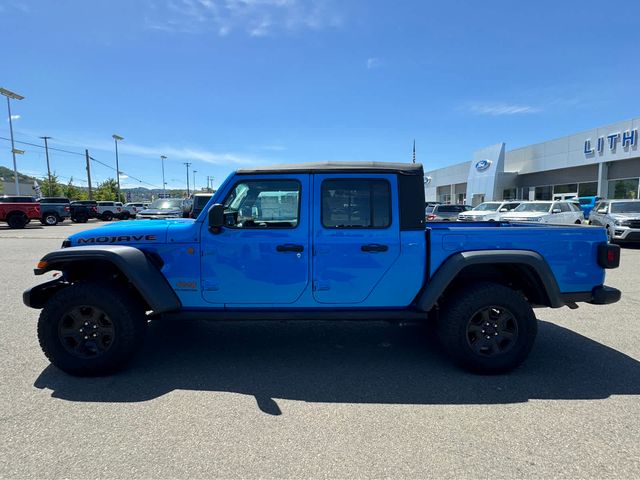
[(229, 83)]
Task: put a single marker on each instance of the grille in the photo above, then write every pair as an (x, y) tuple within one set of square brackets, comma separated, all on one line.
[(634, 223)]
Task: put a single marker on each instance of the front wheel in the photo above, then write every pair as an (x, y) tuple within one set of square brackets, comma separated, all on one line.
[(107, 216), (91, 328), (487, 328)]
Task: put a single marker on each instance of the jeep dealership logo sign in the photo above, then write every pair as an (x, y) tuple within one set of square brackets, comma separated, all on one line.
[(483, 165), (628, 139)]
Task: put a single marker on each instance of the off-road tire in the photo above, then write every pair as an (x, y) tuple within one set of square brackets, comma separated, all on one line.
[(457, 320), (80, 218), (17, 220), (106, 216), (125, 314)]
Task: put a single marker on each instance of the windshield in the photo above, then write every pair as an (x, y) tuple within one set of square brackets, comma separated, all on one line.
[(200, 201), (487, 207), (585, 201), (625, 207), (429, 209), (166, 204), (533, 207)]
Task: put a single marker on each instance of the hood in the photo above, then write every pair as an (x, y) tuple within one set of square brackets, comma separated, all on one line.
[(625, 216), (125, 233), (477, 213), (160, 211), (510, 215)]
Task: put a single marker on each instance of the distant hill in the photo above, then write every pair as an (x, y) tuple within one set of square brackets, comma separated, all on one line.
[(7, 175)]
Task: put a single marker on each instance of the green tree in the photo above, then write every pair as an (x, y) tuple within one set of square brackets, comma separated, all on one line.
[(108, 190), (74, 193), (55, 189)]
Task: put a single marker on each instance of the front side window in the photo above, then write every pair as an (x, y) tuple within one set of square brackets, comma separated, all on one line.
[(356, 203), (263, 204)]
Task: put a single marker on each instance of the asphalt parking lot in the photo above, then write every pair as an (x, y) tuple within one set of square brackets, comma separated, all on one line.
[(321, 399)]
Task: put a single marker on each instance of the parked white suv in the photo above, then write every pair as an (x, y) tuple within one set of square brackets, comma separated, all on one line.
[(129, 210), (560, 212), (487, 211), (107, 211)]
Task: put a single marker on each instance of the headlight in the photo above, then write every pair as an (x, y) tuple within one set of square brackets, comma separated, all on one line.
[(621, 223)]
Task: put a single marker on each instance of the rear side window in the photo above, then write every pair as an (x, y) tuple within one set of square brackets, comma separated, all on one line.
[(564, 207), (450, 208), (354, 203)]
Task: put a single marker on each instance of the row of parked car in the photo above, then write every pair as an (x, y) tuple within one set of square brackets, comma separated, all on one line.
[(18, 211), (621, 218)]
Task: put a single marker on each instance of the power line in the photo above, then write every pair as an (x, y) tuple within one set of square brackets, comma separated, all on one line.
[(82, 155)]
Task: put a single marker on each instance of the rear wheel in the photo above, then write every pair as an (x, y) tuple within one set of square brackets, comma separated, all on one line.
[(487, 328), (50, 219), (17, 220), (107, 216), (578, 222), (91, 328)]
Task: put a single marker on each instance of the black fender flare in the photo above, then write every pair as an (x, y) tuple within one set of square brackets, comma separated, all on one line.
[(451, 267), (132, 262)]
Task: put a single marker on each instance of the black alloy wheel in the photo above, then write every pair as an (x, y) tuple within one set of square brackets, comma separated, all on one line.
[(86, 331)]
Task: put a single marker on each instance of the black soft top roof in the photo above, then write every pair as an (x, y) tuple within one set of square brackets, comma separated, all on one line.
[(343, 167)]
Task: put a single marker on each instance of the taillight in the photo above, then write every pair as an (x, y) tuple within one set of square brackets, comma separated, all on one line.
[(608, 255), (119, 209), (431, 217), (67, 209)]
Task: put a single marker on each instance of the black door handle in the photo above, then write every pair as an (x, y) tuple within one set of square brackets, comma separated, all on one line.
[(290, 247), (374, 247)]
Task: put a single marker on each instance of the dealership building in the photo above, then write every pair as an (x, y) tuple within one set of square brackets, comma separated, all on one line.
[(603, 161)]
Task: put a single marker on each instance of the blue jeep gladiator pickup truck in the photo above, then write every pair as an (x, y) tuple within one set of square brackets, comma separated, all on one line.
[(340, 241)]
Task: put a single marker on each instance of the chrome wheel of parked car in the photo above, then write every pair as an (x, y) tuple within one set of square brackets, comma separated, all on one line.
[(50, 219)]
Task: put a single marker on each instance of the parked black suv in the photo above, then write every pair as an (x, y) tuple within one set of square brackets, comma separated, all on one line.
[(83, 210)]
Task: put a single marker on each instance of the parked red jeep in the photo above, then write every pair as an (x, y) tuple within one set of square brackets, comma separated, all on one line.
[(18, 214)]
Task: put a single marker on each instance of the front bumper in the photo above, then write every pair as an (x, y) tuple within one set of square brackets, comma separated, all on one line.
[(601, 295), (625, 234)]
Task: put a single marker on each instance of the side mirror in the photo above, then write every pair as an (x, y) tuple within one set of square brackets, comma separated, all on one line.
[(602, 210), (216, 218), (556, 210)]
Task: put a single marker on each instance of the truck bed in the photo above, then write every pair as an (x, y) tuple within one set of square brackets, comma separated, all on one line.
[(570, 250)]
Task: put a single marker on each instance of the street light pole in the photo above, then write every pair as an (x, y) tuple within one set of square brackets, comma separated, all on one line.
[(194, 181), (46, 151), (164, 184), (187, 165), (116, 138), (9, 94)]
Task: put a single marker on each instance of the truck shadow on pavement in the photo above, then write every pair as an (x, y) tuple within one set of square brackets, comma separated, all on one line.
[(347, 363)]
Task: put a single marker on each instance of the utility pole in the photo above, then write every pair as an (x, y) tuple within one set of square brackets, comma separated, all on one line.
[(187, 164), (46, 151), (414, 150), (164, 184), (9, 94), (86, 154), (116, 138), (194, 181)]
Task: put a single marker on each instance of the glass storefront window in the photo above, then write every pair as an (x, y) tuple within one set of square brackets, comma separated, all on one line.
[(627, 188), (589, 189), (509, 194), (567, 188), (544, 193)]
